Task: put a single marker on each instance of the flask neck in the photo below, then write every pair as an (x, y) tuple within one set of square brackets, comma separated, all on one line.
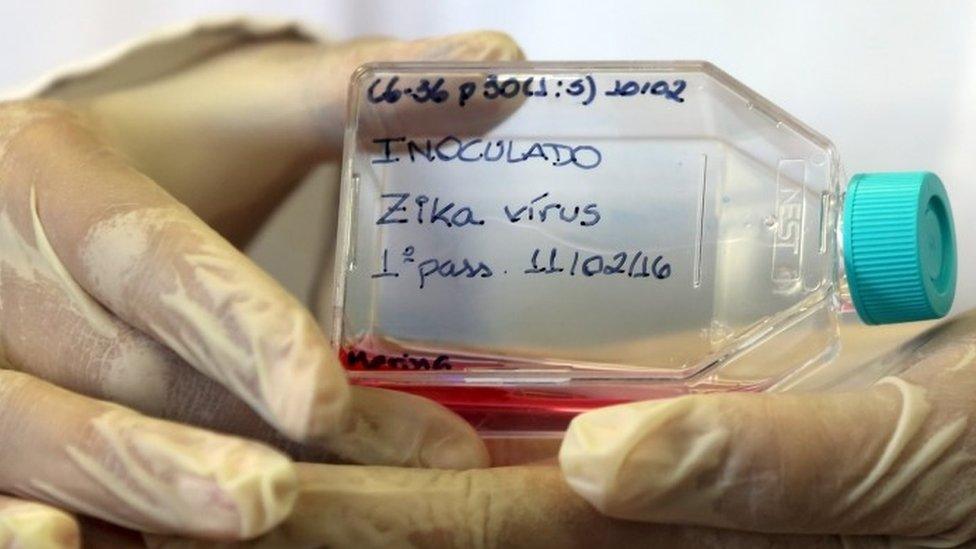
[(843, 302)]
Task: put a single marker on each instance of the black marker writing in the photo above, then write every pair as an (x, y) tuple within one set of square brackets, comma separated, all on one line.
[(432, 211), (454, 149), (583, 89)]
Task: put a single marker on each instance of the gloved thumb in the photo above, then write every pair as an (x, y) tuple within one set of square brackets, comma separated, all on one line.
[(231, 136), (880, 461)]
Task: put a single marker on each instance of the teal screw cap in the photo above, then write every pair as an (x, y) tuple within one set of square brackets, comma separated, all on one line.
[(899, 247)]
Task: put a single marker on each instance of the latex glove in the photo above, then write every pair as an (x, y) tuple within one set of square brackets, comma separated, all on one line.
[(897, 459), (511, 507), (29, 524), (113, 285), (108, 461), (786, 491)]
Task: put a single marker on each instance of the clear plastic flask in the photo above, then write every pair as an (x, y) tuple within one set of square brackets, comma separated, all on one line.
[(523, 242)]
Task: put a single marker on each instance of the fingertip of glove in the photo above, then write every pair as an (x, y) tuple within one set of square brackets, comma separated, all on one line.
[(461, 450), (204, 484), (249, 490), (36, 525), (306, 395), (480, 45), (266, 493), (626, 460), (313, 409), (500, 46), (400, 429), (588, 451)]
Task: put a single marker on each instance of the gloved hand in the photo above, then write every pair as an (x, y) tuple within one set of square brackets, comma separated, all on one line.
[(897, 459), (119, 281), (508, 507), (892, 465)]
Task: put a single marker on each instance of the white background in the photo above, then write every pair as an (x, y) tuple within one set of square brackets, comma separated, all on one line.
[(893, 83)]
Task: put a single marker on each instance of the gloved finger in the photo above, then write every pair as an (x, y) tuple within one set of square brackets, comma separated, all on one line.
[(100, 356), (30, 524), (256, 119), (888, 460), (111, 360), (352, 506), (386, 427), (391, 427), (78, 220), (107, 461)]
